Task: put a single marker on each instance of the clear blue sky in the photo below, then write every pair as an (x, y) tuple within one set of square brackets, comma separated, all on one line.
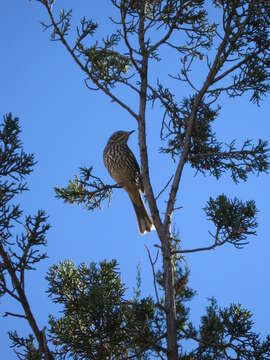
[(66, 127)]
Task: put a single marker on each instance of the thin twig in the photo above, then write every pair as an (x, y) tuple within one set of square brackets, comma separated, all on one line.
[(19, 355), (125, 37), (153, 270), (169, 32), (165, 187), (206, 248), (7, 313), (216, 244)]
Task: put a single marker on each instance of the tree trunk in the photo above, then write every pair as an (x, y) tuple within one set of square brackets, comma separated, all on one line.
[(168, 273), (172, 346)]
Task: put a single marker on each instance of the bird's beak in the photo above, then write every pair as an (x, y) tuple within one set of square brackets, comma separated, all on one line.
[(131, 132)]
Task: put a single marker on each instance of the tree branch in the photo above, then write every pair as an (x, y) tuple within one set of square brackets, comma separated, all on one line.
[(84, 68), (153, 270), (125, 37), (23, 300), (7, 313), (198, 99), (164, 188), (170, 31), (205, 248), (142, 132)]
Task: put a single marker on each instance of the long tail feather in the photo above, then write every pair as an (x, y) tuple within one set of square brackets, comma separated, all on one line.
[(145, 223)]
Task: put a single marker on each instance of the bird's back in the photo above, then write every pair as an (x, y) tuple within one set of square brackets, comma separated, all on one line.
[(121, 163)]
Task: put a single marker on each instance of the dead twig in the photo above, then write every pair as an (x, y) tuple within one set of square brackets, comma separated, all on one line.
[(153, 262)]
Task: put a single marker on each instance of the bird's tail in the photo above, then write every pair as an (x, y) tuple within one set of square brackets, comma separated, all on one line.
[(145, 223)]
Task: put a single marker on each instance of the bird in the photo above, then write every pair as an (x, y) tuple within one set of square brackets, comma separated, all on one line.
[(124, 169)]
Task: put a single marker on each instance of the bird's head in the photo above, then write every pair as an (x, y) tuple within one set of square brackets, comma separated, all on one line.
[(120, 137)]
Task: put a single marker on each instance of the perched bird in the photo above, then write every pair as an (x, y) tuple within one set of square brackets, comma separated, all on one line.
[(124, 169)]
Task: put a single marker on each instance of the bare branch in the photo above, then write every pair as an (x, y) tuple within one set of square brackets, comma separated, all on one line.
[(7, 313), (164, 188), (153, 262), (142, 131), (19, 356), (125, 37), (205, 248), (11, 293)]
